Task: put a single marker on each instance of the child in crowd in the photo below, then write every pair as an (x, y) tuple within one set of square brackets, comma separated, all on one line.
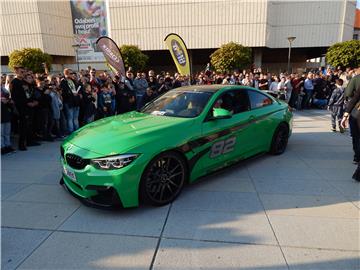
[(105, 98), (336, 105), (56, 110), (88, 104)]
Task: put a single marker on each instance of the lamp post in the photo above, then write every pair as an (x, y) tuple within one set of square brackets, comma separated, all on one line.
[(76, 47), (290, 39)]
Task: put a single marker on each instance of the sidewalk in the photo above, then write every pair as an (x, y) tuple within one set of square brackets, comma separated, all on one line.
[(299, 210)]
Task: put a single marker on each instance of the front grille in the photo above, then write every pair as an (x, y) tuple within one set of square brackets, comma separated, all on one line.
[(76, 162), (62, 151)]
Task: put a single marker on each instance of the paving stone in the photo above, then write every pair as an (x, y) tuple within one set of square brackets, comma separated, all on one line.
[(284, 173), (295, 186), (17, 244), (316, 206), (92, 251), (222, 182), (329, 165), (9, 189), (31, 176), (35, 215), (348, 187), (316, 232), (310, 259), (219, 226), (335, 173), (45, 194), (186, 255), (325, 152), (243, 202), (140, 221)]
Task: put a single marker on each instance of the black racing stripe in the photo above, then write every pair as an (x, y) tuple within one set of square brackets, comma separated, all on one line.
[(191, 145), (196, 158)]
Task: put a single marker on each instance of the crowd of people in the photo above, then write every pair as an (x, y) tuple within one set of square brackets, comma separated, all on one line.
[(50, 106)]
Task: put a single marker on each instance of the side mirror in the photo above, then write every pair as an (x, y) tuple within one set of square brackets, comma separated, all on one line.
[(219, 113)]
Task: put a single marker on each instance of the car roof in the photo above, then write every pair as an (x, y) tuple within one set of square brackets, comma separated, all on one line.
[(207, 88)]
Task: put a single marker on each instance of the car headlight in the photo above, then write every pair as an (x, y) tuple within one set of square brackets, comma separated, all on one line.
[(113, 162)]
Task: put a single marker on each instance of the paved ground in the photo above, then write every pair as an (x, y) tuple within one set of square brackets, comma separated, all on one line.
[(299, 210)]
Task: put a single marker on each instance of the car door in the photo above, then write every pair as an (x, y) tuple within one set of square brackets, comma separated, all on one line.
[(261, 111), (228, 139)]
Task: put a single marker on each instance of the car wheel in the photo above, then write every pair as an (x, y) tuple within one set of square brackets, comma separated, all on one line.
[(280, 139), (163, 179)]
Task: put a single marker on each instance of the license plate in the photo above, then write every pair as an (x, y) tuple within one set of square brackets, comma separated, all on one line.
[(69, 174)]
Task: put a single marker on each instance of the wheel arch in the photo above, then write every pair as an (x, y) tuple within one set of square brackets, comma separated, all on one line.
[(172, 150)]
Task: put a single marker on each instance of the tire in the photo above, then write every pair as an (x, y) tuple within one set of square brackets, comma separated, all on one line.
[(279, 140), (163, 179)]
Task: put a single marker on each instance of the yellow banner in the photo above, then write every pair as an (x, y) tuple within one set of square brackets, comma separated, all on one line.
[(179, 53)]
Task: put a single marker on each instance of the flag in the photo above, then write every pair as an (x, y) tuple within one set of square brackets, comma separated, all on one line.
[(112, 54), (179, 53)]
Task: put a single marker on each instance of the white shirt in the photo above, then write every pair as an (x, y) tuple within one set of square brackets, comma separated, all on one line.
[(273, 86)]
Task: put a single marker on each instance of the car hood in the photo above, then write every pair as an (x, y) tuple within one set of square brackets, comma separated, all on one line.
[(123, 133)]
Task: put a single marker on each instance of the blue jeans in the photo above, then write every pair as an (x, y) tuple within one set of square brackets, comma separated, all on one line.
[(139, 95), (307, 98), (5, 134), (355, 134), (72, 118), (89, 119), (320, 102)]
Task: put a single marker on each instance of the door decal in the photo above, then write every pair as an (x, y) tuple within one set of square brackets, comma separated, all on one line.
[(223, 147)]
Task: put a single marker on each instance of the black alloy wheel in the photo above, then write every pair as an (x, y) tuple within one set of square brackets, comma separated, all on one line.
[(163, 179), (280, 139)]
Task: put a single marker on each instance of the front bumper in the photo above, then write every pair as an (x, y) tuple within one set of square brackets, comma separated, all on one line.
[(104, 188), (106, 197)]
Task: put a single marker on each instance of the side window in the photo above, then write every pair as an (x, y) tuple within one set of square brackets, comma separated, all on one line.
[(258, 100), (225, 101), (241, 101), (235, 101)]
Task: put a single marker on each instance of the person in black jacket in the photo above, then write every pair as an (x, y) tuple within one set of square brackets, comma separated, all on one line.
[(71, 100), (44, 117), (125, 99), (23, 95), (88, 104), (350, 91), (148, 96), (353, 104)]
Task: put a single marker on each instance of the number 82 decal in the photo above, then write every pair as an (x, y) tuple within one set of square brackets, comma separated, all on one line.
[(223, 147)]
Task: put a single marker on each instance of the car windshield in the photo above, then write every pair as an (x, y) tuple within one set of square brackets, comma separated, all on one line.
[(177, 103)]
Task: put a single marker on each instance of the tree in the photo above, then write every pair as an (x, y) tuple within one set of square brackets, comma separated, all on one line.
[(344, 54), (133, 57), (231, 56), (30, 58)]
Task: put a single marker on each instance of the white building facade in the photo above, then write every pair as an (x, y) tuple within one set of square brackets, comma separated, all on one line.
[(203, 24)]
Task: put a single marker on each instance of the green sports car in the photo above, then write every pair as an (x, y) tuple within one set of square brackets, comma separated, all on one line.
[(186, 133)]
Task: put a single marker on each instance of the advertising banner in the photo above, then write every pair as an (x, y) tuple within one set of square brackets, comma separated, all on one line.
[(112, 54), (179, 53), (89, 23), (357, 15)]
